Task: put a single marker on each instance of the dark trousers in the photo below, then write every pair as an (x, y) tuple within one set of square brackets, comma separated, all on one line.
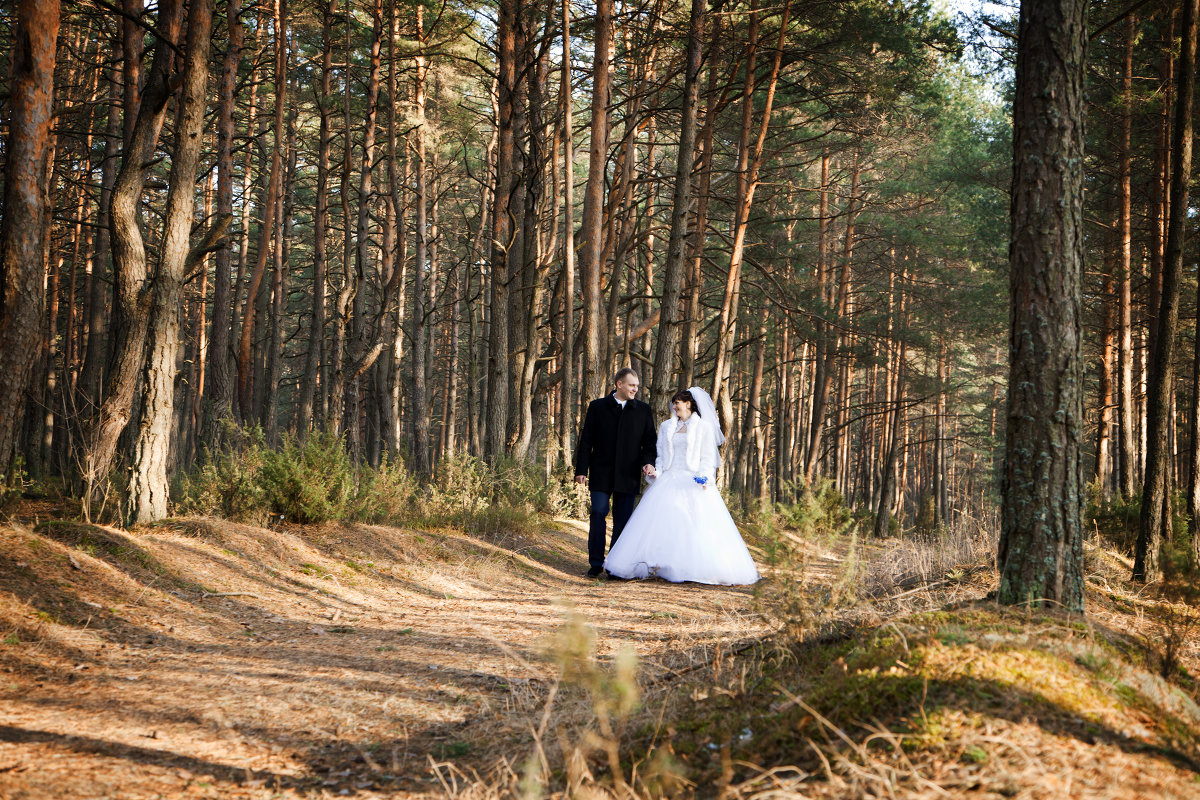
[(622, 508)]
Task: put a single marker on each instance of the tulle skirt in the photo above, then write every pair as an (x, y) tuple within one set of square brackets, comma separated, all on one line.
[(679, 532)]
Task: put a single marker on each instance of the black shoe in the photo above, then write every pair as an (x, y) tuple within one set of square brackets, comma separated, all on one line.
[(595, 572)]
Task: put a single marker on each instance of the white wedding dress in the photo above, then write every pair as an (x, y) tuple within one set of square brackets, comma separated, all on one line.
[(682, 531)]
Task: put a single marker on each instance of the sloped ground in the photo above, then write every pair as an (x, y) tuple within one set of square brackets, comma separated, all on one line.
[(208, 659), (963, 699)]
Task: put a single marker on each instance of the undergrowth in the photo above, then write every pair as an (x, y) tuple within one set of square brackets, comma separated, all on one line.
[(940, 698), (315, 481)]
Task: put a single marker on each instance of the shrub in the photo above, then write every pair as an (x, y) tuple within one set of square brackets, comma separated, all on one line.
[(818, 510), (1116, 519), (227, 482), (496, 520), (315, 481), (460, 484), (385, 495), (309, 481), (13, 483)]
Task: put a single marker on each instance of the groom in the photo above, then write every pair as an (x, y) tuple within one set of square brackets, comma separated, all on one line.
[(617, 445)]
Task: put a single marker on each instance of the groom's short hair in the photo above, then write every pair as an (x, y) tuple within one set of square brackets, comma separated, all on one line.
[(624, 373)]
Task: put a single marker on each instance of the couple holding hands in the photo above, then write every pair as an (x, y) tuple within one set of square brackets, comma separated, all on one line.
[(681, 529)]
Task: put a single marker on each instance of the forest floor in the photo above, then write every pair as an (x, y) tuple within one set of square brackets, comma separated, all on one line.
[(204, 658)]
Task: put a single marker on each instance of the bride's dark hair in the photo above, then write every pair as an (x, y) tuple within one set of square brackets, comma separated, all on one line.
[(686, 396)]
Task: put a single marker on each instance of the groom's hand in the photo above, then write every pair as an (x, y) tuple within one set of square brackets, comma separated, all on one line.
[(581, 479)]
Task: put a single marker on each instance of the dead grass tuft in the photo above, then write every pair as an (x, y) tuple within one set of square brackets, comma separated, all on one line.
[(219, 659)]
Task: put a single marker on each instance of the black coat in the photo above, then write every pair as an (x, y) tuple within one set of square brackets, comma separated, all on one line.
[(615, 444)]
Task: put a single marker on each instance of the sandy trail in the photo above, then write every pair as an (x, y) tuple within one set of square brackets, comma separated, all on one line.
[(209, 659)]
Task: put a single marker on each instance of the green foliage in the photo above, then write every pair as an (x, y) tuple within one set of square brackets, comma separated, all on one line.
[(314, 481), (14, 483), (818, 510), (226, 484), (385, 494), (309, 481), (1117, 519), (788, 535)]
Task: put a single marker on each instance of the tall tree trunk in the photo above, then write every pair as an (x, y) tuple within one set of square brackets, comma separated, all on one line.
[(1127, 451), (133, 46), (1157, 485), (1041, 541), (22, 230), (534, 266), (1160, 185), (266, 229), (891, 437), (837, 297), (570, 389), (391, 318), (148, 486), (220, 404), (279, 292), (667, 341), (591, 262), (1104, 427), (91, 376), (345, 294), (316, 328), (420, 394), (503, 251), (130, 274), (690, 343), (749, 162)]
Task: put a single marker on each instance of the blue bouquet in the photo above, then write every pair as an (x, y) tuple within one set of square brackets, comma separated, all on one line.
[(700, 479)]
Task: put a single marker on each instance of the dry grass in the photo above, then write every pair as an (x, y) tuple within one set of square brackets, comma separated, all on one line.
[(209, 659), (235, 661), (903, 683)]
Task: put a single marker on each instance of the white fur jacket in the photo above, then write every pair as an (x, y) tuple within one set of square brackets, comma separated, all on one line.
[(701, 451)]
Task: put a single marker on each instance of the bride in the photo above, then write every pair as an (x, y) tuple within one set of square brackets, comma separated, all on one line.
[(681, 529)]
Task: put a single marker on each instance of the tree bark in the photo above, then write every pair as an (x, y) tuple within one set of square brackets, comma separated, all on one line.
[(503, 231), (420, 395), (91, 376), (667, 341), (22, 256), (266, 228), (1156, 490), (219, 406), (279, 291), (749, 162), (1108, 336), (591, 262), (316, 328), (1041, 543), (149, 487), (690, 342), (360, 349), (130, 273), (570, 390), (1127, 449)]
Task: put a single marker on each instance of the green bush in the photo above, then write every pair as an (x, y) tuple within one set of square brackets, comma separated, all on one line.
[(315, 481), (227, 483), (460, 485), (819, 510), (13, 483), (385, 495), (309, 481)]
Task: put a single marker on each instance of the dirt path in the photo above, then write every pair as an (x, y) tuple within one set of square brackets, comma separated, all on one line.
[(208, 659)]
